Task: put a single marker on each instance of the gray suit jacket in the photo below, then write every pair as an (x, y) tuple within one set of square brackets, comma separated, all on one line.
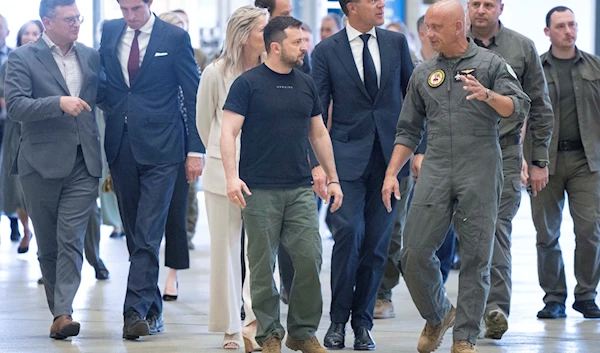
[(50, 137)]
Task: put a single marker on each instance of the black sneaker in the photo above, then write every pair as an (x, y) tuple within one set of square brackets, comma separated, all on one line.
[(552, 310), (588, 308)]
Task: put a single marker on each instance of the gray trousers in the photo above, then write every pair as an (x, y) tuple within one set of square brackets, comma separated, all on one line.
[(60, 210), (572, 174), (510, 200), (91, 243), (391, 275), (463, 187)]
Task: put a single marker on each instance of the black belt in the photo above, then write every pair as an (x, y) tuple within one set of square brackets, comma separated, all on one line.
[(570, 145), (510, 140)]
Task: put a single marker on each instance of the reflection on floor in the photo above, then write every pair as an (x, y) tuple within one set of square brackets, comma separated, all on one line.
[(25, 319)]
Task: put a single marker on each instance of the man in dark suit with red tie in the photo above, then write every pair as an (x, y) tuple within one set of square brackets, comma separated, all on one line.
[(145, 62), (365, 71)]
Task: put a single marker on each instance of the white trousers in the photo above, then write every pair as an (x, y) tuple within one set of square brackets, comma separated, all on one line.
[(225, 226)]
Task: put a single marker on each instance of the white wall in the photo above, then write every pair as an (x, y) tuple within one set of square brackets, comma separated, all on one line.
[(528, 17)]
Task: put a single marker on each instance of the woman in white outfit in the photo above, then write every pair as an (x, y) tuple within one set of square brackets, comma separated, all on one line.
[(244, 49)]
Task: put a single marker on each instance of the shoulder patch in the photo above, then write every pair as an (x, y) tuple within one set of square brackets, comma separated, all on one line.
[(511, 71)]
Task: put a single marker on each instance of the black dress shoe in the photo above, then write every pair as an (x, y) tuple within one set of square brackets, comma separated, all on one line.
[(116, 234), (171, 297), (335, 337), (363, 340), (552, 310), (102, 275), (134, 326), (156, 323), (588, 308)]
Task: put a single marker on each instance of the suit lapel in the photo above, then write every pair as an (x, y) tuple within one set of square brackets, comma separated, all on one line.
[(44, 55), (344, 53), (386, 60), (115, 53), (85, 68), (155, 40)]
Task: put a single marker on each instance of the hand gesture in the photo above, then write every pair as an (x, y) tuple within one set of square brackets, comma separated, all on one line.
[(472, 85), (73, 105), (538, 178), (234, 191), (390, 186)]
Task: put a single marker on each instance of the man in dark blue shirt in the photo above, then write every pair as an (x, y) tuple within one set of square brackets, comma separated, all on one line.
[(277, 109)]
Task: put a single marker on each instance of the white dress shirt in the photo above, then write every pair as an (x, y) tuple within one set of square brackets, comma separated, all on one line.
[(357, 45), (124, 48)]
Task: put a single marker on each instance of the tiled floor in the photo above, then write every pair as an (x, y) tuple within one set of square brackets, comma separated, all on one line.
[(25, 319)]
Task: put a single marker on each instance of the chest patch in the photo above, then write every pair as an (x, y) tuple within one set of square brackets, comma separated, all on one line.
[(465, 72), (436, 78)]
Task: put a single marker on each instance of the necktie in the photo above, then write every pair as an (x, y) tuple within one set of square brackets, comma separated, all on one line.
[(369, 69), (133, 65)]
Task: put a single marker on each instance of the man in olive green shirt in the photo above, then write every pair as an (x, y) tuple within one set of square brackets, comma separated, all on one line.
[(574, 84), (519, 52)]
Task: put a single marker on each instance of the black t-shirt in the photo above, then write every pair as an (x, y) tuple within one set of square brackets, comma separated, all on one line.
[(277, 110)]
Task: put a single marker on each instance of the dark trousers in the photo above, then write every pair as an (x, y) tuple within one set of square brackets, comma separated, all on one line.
[(361, 229), (144, 193), (177, 253)]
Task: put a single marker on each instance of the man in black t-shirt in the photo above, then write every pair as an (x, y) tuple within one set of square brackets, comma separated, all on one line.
[(277, 109)]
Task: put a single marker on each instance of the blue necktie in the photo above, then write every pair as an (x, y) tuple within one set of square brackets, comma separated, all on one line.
[(369, 69)]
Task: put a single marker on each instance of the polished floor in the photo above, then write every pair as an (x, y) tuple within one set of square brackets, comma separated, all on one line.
[(25, 319)]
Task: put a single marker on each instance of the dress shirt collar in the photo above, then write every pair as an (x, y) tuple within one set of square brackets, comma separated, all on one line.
[(147, 27), (354, 33), (54, 47)]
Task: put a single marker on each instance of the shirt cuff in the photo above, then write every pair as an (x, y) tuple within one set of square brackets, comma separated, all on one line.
[(195, 154), (539, 154), (405, 142)]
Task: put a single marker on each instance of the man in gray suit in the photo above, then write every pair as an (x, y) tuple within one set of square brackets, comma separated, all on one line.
[(51, 87)]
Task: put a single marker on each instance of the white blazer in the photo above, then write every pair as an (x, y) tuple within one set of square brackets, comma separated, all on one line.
[(212, 93)]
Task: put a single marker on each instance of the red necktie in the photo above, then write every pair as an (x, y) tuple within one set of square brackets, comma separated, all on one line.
[(133, 65)]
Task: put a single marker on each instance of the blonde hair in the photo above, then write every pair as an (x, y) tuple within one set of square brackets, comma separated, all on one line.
[(172, 18), (238, 31)]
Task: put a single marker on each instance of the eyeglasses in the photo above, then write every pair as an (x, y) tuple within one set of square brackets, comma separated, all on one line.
[(74, 19)]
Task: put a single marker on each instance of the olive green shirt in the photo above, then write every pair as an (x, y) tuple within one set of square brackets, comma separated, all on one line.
[(586, 84), (520, 53), (568, 123)]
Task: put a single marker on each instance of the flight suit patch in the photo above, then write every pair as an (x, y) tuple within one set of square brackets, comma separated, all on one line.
[(465, 72), (436, 78)]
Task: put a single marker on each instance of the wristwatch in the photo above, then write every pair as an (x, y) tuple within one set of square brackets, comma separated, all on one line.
[(489, 94), (540, 164)]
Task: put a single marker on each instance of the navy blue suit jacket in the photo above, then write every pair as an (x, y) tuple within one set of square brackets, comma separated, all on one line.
[(356, 119), (158, 133)]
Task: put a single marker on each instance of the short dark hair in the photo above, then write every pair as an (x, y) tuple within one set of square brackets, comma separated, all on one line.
[(420, 22), (265, 4), (556, 9), (48, 7), (344, 5), (275, 30), (24, 28)]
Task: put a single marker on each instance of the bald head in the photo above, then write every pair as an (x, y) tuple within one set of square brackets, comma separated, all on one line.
[(446, 31), (451, 10)]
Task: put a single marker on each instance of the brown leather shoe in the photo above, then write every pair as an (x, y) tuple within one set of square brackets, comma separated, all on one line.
[(63, 327)]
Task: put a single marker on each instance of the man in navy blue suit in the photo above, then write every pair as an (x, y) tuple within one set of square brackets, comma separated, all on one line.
[(365, 70), (146, 61)]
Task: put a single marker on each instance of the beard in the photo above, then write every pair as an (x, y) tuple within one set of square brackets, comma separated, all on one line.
[(291, 61)]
